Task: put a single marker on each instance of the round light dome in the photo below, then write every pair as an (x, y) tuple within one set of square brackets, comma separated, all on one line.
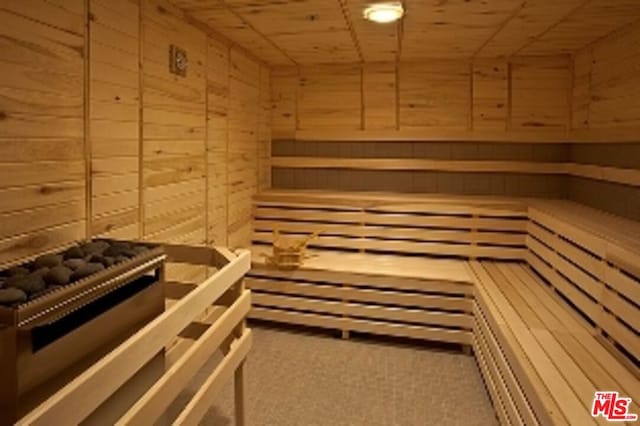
[(384, 13)]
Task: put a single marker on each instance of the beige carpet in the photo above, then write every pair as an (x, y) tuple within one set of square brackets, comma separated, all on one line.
[(298, 378)]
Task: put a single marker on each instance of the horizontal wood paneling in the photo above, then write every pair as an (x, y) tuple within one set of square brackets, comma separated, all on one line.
[(175, 177), (42, 157), (114, 121), (525, 99), (162, 155)]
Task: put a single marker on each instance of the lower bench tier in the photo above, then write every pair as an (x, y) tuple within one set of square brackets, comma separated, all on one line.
[(415, 309)]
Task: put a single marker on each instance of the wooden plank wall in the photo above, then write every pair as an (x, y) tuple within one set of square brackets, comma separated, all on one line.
[(524, 99), (174, 129), (98, 138), (42, 150), (244, 83), (606, 102), (114, 118), (606, 90)]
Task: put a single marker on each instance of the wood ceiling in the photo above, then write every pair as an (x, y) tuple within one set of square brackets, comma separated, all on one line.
[(303, 32)]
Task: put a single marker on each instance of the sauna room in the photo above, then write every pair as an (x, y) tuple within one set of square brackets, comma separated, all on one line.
[(319, 212)]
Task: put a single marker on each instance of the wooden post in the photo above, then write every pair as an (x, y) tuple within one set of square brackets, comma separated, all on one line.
[(239, 395), (239, 377), (345, 329)]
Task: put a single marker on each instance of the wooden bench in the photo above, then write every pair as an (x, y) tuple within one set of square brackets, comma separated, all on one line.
[(550, 334), (554, 288), (368, 272), (585, 258), (541, 363), (410, 297)]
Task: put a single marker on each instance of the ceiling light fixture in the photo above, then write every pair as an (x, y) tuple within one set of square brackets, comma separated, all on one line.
[(384, 13)]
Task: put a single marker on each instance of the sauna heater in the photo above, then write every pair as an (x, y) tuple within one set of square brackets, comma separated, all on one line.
[(68, 310)]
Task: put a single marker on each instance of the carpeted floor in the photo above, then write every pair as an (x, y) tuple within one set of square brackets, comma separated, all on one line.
[(296, 378)]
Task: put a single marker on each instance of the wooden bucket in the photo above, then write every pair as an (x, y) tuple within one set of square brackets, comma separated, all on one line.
[(288, 252)]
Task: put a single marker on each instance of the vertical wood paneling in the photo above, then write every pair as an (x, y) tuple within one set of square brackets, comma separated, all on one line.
[(264, 130), (607, 86), (42, 162), (330, 97), (490, 94), (379, 96), (488, 97), (581, 91), (114, 119), (539, 93), (434, 94), (284, 99)]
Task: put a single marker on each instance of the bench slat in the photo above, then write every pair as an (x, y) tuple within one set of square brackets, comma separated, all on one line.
[(363, 295), (364, 326)]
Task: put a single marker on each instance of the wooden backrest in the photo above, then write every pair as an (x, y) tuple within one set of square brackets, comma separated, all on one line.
[(400, 226), (597, 276)]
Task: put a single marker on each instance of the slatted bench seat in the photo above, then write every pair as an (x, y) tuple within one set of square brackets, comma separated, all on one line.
[(412, 297), (546, 291), (584, 258), (541, 363), (369, 272)]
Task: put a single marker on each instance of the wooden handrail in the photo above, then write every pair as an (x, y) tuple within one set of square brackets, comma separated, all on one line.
[(77, 400)]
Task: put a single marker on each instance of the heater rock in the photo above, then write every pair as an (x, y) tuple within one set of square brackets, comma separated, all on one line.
[(85, 271), (12, 295), (74, 263), (18, 271), (74, 253), (95, 247), (30, 284), (139, 249), (47, 261), (41, 271), (58, 275), (118, 249), (105, 261)]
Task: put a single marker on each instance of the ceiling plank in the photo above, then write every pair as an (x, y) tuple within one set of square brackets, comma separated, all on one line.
[(346, 13), (451, 28), (220, 19), (592, 22), (500, 28), (378, 42), (234, 12), (553, 26), (532, 19), (310, 31)]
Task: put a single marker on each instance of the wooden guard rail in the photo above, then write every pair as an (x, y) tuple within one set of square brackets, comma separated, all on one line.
[(225, 288)]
